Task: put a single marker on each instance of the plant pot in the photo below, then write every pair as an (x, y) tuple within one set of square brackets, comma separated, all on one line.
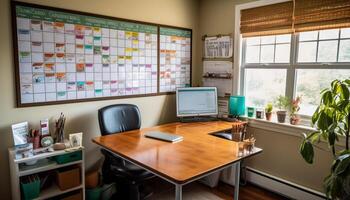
[(294, 119), (259, 114), (268, 116), (281, 116)]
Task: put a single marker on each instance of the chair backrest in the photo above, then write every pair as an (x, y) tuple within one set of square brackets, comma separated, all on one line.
[(119, 118)]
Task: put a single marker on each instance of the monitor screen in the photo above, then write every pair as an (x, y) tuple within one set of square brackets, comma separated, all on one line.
[(196, 101)]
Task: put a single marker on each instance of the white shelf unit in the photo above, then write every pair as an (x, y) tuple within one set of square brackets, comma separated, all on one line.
[(43, 164), (55, 191)]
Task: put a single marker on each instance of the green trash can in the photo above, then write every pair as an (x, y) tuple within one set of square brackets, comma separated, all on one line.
[(31, 190), (93, 194)]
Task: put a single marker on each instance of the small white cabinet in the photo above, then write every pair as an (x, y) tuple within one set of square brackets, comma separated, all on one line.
[(43, 164)]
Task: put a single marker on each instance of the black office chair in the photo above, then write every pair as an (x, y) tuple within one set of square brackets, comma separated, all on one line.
[(115, 119)]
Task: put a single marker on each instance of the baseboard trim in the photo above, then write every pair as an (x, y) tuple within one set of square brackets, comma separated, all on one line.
[(281, 186)]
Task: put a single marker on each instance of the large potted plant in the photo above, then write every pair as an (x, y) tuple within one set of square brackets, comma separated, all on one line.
[(282, 103), (332, 121)]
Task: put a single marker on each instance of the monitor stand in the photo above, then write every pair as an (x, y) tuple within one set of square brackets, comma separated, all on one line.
[(198, 119)]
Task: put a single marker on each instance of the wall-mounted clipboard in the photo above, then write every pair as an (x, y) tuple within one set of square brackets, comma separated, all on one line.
[(218, 46)]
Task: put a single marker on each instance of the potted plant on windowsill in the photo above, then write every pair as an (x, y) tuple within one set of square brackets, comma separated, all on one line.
[(282, 103), (294, 108), (268, 111), (332, 120)]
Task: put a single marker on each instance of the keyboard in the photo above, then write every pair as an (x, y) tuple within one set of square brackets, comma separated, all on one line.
[(164, 136), (198, 119)]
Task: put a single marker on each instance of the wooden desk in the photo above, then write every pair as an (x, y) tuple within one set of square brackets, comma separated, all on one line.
[(198, 155)]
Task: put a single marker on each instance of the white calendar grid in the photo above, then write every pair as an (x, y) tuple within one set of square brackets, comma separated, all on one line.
[(62, 61), (175, 62)]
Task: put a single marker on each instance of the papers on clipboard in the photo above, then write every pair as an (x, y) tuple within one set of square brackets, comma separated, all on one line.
[(223, 106), (218, 47)]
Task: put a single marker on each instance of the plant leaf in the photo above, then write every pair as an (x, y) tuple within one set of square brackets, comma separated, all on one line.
[(315, 115), (324, 121), (331, 138), (347, 81), (307, 151), (343, 104), (327, 182), (313, 137), (327, 98), (342, 90), (336, 187), (343, 164), (334, 85), (324, 90)]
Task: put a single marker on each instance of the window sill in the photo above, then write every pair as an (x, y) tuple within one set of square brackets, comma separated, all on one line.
[(286, 128)]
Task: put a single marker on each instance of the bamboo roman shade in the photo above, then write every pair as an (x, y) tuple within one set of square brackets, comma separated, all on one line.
[(312, 15), (267, 20), (295, 16)]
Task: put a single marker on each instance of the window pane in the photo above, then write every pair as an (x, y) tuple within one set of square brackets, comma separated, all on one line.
[(327, 51), (329, 34), (283, 38), (268, 39), (307, 52), (311, 81), (267, 53), (264, 85), (345, 33), (252, 54), (253, 41), (306, 36), (282, 53), (344, 51)]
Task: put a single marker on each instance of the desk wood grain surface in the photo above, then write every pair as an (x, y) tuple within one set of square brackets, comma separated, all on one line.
[(197, 154)]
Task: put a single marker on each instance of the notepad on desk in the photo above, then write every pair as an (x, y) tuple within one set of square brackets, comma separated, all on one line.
[(163, 136)]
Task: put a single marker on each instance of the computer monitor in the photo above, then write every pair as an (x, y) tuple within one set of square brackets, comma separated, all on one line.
[(196, 101)]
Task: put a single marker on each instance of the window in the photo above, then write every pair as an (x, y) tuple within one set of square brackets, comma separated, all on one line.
[(294, 65), (266, 63), (324, 46), (268, 49), (310, 82), (264, 85)]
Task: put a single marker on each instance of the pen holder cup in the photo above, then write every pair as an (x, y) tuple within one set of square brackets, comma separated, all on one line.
[(35, 141), (248, 146), (30, 190), (245, 148), (239, 151)]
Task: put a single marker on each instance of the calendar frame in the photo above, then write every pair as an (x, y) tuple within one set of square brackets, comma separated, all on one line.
[(19, 103)]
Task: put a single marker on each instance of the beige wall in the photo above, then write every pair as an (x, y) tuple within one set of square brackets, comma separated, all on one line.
[(216, 17), (83, 116), (280, 156)]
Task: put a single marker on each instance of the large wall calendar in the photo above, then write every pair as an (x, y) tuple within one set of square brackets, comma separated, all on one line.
[(66, 56), (175, 59)]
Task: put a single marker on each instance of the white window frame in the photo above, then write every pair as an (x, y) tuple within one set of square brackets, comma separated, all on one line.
[(292, 67)]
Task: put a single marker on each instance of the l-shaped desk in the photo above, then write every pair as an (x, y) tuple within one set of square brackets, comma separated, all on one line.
[(196, 156)]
